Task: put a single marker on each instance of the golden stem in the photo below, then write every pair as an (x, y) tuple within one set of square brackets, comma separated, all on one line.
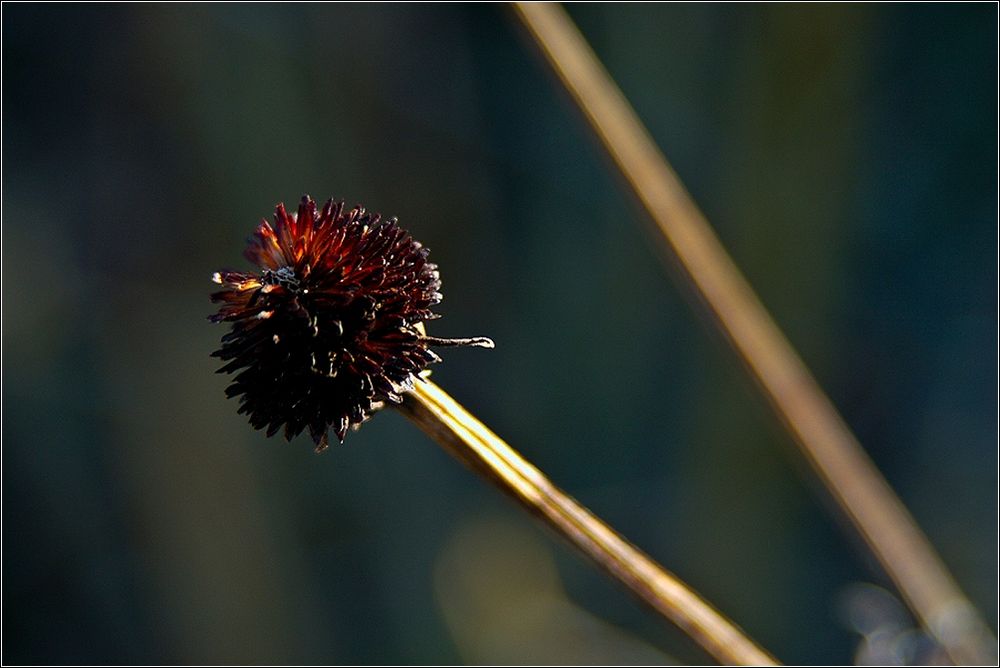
[(470, 441), (822, 436)]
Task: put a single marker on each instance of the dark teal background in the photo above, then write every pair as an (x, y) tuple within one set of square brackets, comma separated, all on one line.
[(846, 155)]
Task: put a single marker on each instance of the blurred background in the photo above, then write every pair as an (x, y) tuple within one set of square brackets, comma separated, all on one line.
[(845, 154)]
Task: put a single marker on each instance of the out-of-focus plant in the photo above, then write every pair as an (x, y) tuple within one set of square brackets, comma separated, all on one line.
[(825, 440)]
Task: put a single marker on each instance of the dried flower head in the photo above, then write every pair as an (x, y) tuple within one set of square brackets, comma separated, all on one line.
[(330, 327)]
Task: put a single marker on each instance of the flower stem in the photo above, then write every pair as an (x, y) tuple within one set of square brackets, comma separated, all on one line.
[(810, 417), (470, 441)]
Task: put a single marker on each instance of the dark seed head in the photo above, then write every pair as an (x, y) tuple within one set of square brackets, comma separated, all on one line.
[(329, 328)]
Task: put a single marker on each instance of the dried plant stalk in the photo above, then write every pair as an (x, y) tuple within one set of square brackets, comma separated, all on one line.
[(465, 437), (823, 437)]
